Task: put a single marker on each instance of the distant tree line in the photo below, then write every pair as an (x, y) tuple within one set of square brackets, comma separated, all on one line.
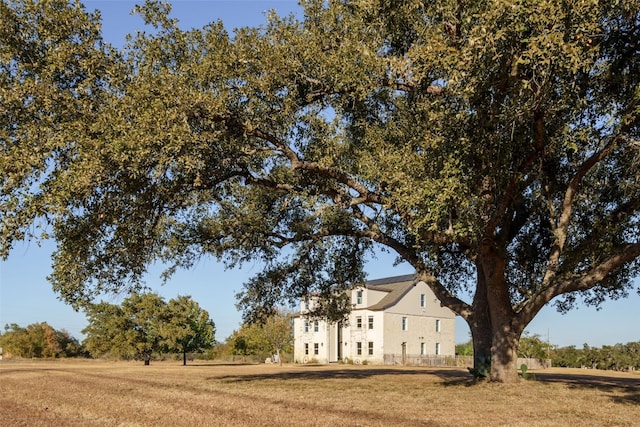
[(616, 357), (38, 340), (145, 327)]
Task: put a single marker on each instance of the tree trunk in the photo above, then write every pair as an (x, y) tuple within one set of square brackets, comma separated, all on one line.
[(495, 349), (494, 329), (481, 331), (184, 358), (481, 337), (504, 355)]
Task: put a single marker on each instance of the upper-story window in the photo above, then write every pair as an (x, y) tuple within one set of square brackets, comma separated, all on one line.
[(405, 325), (423, 300), (370, 322), (306, 326), (437, 325), (359, 322), (315, 326), (359, 297)]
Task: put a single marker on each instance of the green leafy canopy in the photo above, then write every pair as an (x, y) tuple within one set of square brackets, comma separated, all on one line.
[(144, 324)]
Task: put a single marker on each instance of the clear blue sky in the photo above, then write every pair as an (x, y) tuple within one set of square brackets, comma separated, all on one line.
[(26, 296)]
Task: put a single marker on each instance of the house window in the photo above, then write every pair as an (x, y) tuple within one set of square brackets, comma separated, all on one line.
[(359, 322), (316, 348), (370, 321), (437, 348), (370, 348), (422, 300), (437, 325), (359, 297), (359, 348), (404, 323), (315, 326), (306, 348), (423, 348), (306, 326)]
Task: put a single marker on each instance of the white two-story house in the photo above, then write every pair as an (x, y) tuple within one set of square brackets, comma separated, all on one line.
[(393, 320)]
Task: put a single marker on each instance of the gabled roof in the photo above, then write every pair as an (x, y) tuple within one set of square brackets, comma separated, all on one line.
[(397, 287)]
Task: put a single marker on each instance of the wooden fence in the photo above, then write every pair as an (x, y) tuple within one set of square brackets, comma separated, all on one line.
[(454, 361)]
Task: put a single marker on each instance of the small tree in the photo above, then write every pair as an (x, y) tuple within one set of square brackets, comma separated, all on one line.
[(105, 331), (249, 340), (51, 346), (278, 332), (532, 347), (15, 341), (464, 349), (273, 336), (129, 330), (187, 327)]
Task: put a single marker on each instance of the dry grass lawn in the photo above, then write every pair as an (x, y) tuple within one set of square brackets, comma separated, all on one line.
[(98, 393)]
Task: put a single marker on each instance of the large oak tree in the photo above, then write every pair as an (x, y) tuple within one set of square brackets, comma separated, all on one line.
[(491, 145)]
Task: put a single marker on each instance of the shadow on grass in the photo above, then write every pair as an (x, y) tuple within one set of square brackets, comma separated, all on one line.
[(626, 389), (213, 364), (621, 389), (448, 377)]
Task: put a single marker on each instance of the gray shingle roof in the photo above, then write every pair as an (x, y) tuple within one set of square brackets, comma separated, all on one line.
[(388, 280), (397, 287)]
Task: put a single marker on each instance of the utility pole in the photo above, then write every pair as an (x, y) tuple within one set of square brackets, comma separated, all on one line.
[(548, 346)]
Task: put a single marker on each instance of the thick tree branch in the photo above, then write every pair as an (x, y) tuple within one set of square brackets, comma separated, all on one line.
[(447, 299), (572, 282), (564, 220), (299, 164), (512, 190)]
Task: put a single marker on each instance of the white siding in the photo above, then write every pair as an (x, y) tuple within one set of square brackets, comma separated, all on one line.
[(387, 335), (321, 338)]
